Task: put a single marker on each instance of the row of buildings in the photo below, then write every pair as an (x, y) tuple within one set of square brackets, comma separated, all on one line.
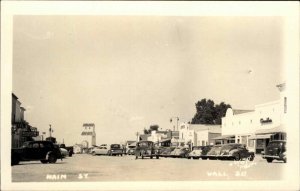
[(21, 130), (254, 128)]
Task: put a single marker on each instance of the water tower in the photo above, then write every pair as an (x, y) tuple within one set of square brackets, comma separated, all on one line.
[(88, 135)]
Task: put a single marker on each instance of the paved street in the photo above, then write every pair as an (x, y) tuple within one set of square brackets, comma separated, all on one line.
[(84, 167)]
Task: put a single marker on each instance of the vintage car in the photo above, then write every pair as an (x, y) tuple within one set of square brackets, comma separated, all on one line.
[(131, 151), (205, 150), (64, 152), (213, 152), (102, 150), (146, 149), (276, 150), (236, 152), (44, 151), (180, 152), (195, 153), (115, 149), (166, 152)]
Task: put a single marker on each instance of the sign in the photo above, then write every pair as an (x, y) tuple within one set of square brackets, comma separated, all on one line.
[(268, 120), (30, 133)]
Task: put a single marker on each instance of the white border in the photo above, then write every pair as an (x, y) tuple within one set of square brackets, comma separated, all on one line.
[(289, 10)]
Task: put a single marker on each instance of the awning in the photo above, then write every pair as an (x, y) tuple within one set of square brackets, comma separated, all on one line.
[(278, 129), (132, 144), (224, 137), (264, 136), (165, 140)]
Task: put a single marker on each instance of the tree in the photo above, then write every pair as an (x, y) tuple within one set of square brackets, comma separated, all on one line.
[(151, 128), (209, 113)]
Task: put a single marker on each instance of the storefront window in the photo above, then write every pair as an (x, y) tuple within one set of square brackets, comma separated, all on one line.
[(260, 144), (244, 140), (251, 143)]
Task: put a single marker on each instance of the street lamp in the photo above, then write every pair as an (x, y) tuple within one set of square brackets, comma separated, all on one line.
[(177, 119)]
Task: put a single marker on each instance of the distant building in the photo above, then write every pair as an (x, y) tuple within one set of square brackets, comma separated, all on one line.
[(88, 135), (198, 134), (77, 148)]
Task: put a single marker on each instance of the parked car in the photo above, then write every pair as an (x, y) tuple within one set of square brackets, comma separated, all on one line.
[(131, 150), (166, 152), (213, 152), (195, 153), (102, 150), (146, 149), (115, 149), (204, 151), (235, 152), (276, 150), (69, 149), (64, 152), (180, 152), (45, 151)]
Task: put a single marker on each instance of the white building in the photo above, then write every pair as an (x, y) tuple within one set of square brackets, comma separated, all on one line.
[(255, 128), (198, 134)]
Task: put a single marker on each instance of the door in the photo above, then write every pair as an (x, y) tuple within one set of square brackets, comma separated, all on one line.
[(32, 151)]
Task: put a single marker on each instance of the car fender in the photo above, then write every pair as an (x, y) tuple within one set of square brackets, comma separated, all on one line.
[(234, 151)]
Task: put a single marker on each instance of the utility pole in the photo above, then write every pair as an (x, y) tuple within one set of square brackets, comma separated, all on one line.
[(137, 136)]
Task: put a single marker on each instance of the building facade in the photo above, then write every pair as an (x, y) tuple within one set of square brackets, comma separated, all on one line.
[(21, 131), (88, 135), (198, 134), (256, 128)]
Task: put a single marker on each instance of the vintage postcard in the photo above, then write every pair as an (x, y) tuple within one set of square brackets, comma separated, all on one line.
[(149, 95)]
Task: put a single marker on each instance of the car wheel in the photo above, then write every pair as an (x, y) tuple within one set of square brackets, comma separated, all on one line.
[(284, 160), (52, 158), (251, 157), (157, 157), (142, 156), (151, 157), (269, 160), (237, 157), (70, 154), (44, 161), (121, 154), (93, 153), (136, 157)]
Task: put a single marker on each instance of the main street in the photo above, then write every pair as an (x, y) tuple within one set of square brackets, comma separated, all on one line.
[(84, 167)]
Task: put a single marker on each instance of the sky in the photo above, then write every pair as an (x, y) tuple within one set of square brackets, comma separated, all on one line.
[(124, 73)]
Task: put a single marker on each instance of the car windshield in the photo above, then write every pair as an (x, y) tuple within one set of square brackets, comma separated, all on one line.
[(115, 146), (275, 144), (144, 144)]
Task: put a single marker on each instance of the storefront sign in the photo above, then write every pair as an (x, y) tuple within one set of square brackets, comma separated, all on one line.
[(30, 133), (268, 120)]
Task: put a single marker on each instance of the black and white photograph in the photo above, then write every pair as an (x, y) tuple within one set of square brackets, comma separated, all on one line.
[(149, 96)]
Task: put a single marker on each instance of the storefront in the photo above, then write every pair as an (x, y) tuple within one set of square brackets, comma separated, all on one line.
[(224, 139)]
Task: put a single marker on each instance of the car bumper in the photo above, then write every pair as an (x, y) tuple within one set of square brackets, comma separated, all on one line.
[(272, 157)]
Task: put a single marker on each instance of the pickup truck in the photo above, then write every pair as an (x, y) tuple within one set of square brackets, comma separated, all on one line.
[(44, 151), (115, 149)]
